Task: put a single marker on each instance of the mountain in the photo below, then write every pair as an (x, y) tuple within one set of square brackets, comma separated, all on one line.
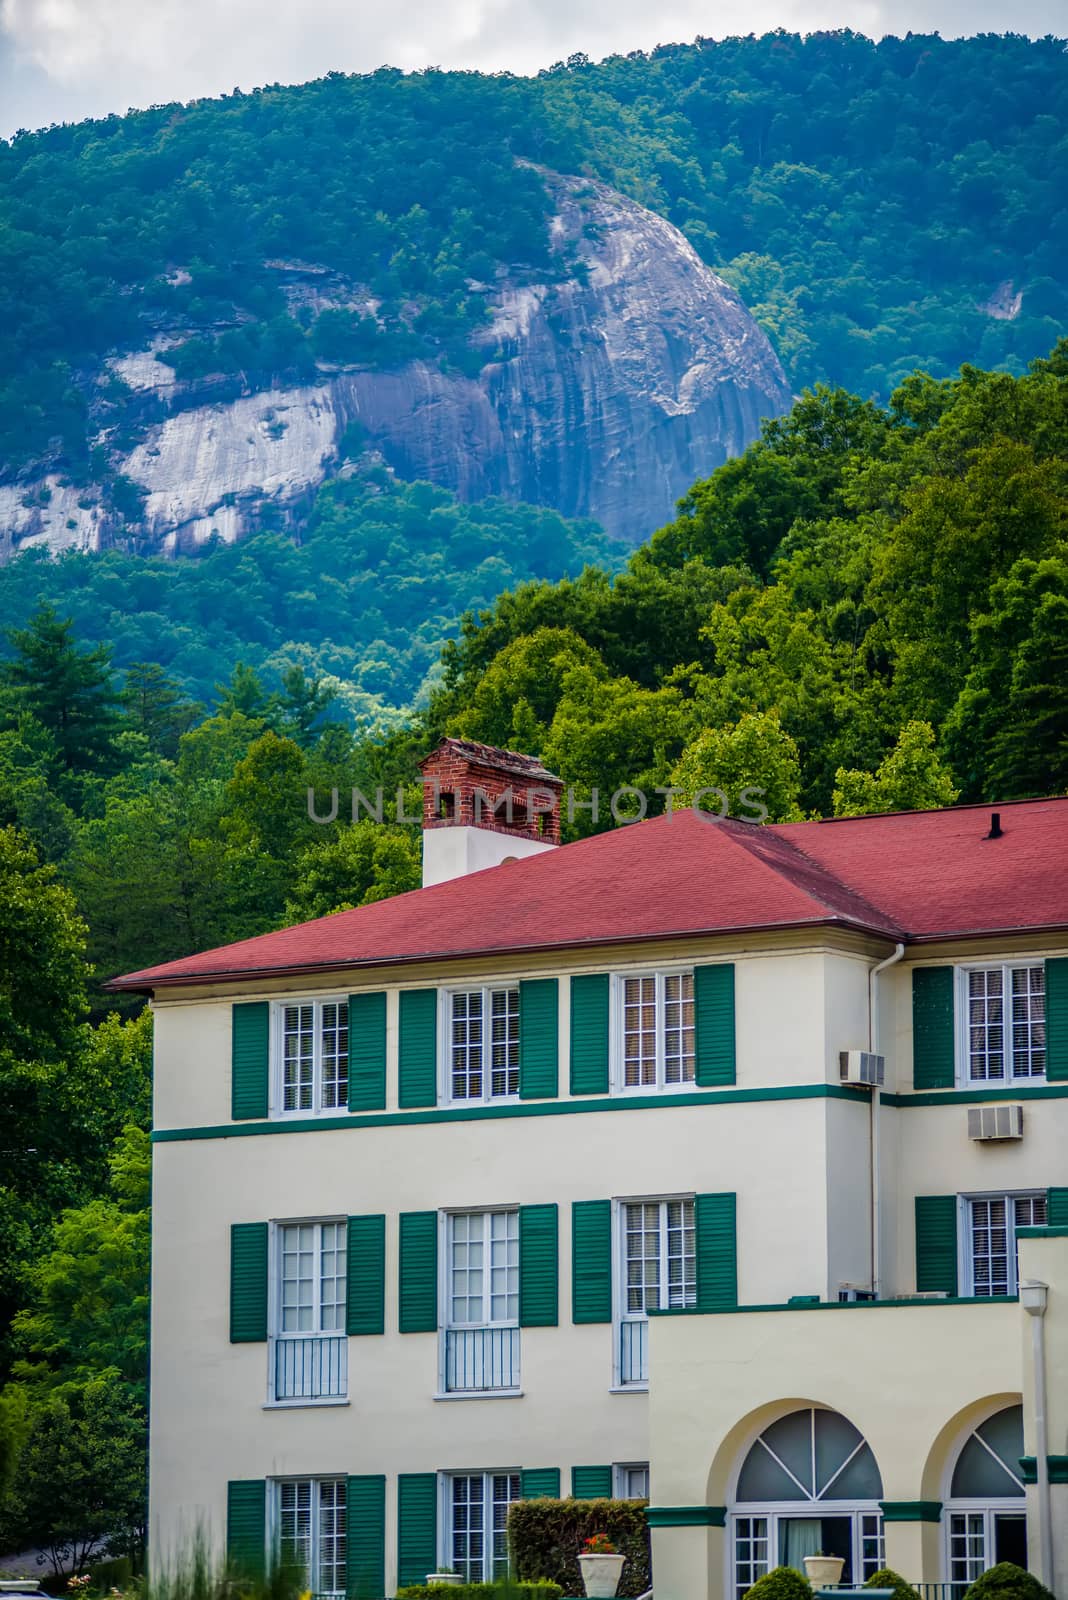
[(601, 392), (395, 259)]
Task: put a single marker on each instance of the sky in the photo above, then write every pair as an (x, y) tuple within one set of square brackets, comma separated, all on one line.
[(61, 60)]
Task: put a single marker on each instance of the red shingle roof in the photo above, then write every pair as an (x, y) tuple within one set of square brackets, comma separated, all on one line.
[(909, 876)]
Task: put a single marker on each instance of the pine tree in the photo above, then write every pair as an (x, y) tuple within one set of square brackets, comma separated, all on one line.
[(70, 691)]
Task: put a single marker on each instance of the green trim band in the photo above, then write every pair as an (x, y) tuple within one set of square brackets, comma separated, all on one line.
[(915, 1304), (560, 1108), (1056, 1466), (911, 1510), (1042, 1233), (686, 1516)]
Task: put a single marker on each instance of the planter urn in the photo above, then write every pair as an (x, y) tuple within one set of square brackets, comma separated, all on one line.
[(601, 1575), (823, 1570), (452, 1579)]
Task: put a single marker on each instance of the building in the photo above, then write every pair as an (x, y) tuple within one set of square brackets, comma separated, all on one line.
[(703, 1161)]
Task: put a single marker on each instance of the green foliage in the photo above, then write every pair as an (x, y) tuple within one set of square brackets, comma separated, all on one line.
[(65, 689), (911, 777), (505, 1589), (545, 1538), (888, 1579), (781, 1583), (354, 866), (753, 762), (1006, 1581), (347, 625)]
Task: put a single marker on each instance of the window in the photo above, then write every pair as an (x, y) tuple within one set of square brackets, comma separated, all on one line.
[(310, 1522), (656, 1030), (630, 1480), (991, 1224), (481, 1334), (476, 1521), (986, 1520), (483, 1044), (309, 1352), (809, 1483), (313, 1055), (1006, 1023), (657, 1266)]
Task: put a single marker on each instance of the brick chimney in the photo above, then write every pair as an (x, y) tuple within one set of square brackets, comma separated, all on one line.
[(483, 806)]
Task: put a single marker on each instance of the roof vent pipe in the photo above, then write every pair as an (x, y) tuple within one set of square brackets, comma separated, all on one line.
[(995, 825)]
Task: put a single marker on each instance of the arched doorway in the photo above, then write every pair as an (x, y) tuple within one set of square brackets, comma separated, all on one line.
[(986, 1520), (809, 1483)]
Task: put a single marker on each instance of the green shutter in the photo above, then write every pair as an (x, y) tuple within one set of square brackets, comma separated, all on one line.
[(248, 1282), (936, 1243), (418, 1048), (713, 1016), (539, 1266), (250, 1055), (365, 1304), (1057, 1208), (365, 1543), (1057, 1019), (419, 1272), (589, 1033), (367, 1052), (591, 1483), (417, 1526), (539, 1038), (246, 1525), (591, 1261), (541, 1483), (716, 1243), (933, 1046)]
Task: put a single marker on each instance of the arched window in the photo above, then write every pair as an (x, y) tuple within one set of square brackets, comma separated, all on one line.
[(985, 1515), (810, 1483)]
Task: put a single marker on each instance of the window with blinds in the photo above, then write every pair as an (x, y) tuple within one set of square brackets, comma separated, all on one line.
[(992, 1224), (1006, 1021), (656, 1029), (658, 1270), (313, 1056), (483, 1044), (477, 1523), (311, 1532)]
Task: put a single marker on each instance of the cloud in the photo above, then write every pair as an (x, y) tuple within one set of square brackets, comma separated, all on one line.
[(65, 59)]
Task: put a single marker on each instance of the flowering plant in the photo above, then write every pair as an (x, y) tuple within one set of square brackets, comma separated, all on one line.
[(598, 1544)]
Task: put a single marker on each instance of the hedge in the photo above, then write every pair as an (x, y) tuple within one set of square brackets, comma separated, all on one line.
[(545, 1538), (505, 1590), (889, 1579), (1007, 1581), (781, 1583)]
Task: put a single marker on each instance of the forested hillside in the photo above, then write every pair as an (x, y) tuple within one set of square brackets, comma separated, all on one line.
[(880, 206), (866, 611)]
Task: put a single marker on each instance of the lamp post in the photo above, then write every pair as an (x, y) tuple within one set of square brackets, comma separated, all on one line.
[(1033, 1297)]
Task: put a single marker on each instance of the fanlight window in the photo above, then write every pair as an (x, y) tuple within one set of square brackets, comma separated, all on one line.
[(988, 1467), (810, 1455)]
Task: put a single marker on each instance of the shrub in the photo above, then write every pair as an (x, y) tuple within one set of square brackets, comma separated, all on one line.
[(781, 1583), (546, 1537), (888, 1579), (1007, 1581), (505, 1590)]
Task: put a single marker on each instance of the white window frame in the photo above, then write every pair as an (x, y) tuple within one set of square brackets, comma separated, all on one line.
[(277, 1058), (274, 1313), (618, 1055), (966, 1260), (274, 1522), (446, 1221), (445, 1482), (776, 1511), (619, 1479), (965, 1079), (445, 1094), (620, 1314), (988, 1510)]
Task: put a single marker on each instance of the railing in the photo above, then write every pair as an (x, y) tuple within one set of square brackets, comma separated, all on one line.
[(481, 1358), (940, 1591), (634, 1352), (315, 1368)]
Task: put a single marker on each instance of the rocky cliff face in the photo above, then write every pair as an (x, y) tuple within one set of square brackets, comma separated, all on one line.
[(603, 395)]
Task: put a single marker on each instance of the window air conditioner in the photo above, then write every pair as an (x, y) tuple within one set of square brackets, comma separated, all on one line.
[(849, 1294), (861, 1068), (995, 1122)]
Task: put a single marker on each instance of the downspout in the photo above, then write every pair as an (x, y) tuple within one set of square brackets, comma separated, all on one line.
[(1033, 1295), (873, 1046)]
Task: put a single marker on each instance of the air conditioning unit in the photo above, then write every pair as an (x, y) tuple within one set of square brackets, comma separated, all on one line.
[(995, 1122), (849, 1294), (925, 1294), (861, 1068)]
